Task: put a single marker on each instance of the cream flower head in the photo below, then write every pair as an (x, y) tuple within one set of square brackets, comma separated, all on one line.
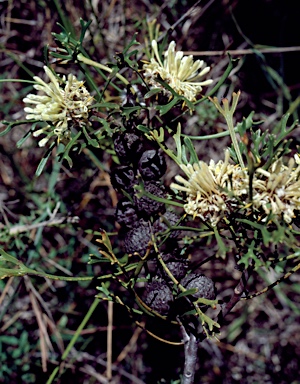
[(178, 71), (216, 190), (61, 107), (277, 191), (212, 190)]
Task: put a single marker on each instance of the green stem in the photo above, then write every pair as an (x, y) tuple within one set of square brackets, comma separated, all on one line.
[(228, 115), (159, 199), (64, 278), (74, 339), (87, 61), (234, 139), (28, 271), (17, 81), (207, 137)]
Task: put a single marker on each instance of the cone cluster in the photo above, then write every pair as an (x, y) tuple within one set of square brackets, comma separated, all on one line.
[(144, 220)]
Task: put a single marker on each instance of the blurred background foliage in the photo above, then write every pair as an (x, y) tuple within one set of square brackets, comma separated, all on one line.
[(38, 317)]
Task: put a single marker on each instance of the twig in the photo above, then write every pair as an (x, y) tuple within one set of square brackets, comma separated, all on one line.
[(73, 340), (237, 295), (42, 328), (130, 345), (237, 52), (6, 289), (109, 339), (84, 356), (190, 356), (52, 221)]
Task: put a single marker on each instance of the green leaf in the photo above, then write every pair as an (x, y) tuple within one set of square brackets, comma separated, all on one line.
[(24, 138), (144, 128), (10, 340), (283, 130), (7, 270), (188, 292), (192, 312), (84, 26), (127, 111), (11, 124), (9, 258), (64, 154), (152, 92), (193, 155), (95, 259), (132, 42), (93, 142), (137, 311), (163, 109), (222, 247), (104, 289), (107, 105), (250, 256), (44, 160), (6, 130)]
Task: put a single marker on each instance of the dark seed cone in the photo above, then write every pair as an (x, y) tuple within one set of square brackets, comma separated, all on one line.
[(152, 165), (148, 205), (128, 146), (205, 286), (161, 224), (177, 265), (123, 177), (126, 214), (158, 296), (137, 239)]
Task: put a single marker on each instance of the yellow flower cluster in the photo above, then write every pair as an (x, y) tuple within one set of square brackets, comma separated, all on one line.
[(277, 191), (62, 107), (213, 191), (180, 72)]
